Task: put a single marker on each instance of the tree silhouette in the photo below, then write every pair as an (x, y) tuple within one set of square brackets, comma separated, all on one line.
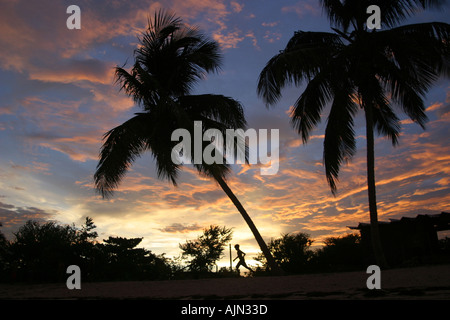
[(207, 248), (87, 232), (292, 252), (357, 67), (43, 251), (4, 254), (3, 240), (124, 261), (341, 254), (171, 58)]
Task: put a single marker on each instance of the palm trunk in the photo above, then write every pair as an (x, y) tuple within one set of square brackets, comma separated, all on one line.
[(275, 269), (374, 227)]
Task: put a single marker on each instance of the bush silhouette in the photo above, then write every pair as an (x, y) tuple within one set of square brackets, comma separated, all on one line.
[(292, 252), (340, 254), (206, 249)]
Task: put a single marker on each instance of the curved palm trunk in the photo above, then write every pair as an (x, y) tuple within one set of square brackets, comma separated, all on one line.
[(374, 228), (275, 269)]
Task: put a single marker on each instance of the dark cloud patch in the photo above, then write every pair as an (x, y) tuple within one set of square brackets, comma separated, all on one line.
[(179, 200), (6, 206), (13, 217), (75, 70), (181, 228), (208, 196)]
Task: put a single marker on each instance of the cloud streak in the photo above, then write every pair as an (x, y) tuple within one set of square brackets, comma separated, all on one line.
[(181, 228)]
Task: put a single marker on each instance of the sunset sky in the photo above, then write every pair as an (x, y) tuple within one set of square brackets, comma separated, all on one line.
[(58, 98)]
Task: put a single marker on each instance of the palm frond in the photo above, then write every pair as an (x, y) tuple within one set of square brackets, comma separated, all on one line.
[(395, 11), (344, 14), (303, 58), (385, 120), (225, 110), (220, 113), (422, 50), (413, 58), (122, 145), (308, 108), (339, 13), (139, 85), (339, 142)]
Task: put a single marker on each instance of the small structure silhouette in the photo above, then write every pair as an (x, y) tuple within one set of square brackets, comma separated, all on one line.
[(407, 238), (240, 256)]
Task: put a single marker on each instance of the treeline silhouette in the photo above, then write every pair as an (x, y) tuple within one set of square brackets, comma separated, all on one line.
[(42, 252), (294, 254)]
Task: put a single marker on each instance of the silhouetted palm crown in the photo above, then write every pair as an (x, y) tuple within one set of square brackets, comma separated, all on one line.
[(170, 60), (355, 66)]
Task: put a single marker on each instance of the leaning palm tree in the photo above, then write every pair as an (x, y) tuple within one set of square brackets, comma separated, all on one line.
[(171, 58), (355, 68)]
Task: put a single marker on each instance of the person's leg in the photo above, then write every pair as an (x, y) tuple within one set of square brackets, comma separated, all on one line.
[(246, 266)]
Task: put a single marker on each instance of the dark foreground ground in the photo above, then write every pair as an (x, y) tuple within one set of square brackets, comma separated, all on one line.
[(431, 282)]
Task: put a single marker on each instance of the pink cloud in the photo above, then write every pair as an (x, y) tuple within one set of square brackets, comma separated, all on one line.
[(237, 7), (272, 37), (270, 24), (303, 8)]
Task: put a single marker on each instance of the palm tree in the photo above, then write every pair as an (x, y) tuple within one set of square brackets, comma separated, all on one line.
[(171, 58), (353, 67)]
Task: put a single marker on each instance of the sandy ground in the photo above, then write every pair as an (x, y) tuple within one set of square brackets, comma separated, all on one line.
[(409, 283)]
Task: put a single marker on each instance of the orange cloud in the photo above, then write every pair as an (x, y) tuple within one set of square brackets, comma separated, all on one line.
[(272, 37), (435, 106), (229, 40), (91, 70)]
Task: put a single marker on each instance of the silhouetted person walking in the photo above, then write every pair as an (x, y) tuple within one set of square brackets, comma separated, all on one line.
[(241, 255)]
